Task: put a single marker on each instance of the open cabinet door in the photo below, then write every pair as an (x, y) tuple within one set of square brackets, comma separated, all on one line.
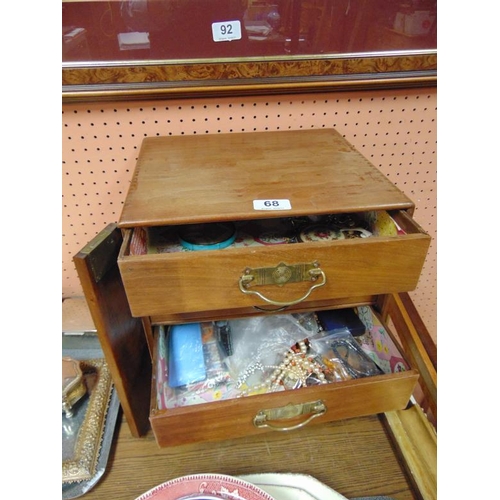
[(121, 336)]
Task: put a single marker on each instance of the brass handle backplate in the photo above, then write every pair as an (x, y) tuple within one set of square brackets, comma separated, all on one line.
[(281, 275), (312, 410)]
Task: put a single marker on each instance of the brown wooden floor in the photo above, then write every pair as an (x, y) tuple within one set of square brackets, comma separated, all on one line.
[(354, 457)]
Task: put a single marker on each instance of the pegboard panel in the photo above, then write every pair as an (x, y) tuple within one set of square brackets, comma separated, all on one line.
[(395, 129)]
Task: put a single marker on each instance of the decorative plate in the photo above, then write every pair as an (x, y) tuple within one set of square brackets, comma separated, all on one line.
[(206, 487), (293, 486)]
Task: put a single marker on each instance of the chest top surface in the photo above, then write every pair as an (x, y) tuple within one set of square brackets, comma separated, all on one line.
[(197, 179)]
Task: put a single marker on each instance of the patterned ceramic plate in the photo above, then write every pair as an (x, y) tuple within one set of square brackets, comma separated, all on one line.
[(293, 486), (206, 487)]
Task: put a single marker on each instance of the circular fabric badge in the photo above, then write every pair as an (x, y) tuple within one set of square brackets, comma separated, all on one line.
[(319, 233)]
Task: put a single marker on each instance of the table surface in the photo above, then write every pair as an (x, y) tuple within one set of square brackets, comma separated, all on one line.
[(355, 457)]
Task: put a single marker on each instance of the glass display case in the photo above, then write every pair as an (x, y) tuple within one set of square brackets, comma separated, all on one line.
[(144, 47)]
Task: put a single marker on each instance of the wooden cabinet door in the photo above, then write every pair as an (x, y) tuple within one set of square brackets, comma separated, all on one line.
[(122, 337)]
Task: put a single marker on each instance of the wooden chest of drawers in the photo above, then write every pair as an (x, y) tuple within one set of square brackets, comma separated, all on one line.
[(298, 178)]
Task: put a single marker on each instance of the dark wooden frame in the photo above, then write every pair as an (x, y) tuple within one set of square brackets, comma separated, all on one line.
[(203, 78)]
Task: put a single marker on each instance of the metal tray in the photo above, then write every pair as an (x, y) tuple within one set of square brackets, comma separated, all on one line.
[(87, 435)]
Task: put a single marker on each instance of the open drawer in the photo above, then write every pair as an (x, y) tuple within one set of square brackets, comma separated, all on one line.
[(244, 276), (180, 416), (129, 347)]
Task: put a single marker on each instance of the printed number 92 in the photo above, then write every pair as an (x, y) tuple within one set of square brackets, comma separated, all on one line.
[(226, 29)]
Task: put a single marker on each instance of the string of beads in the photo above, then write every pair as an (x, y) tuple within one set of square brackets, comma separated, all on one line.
[(297, 367)]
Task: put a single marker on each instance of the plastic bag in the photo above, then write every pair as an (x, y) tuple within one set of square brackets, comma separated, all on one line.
[(343, 355), (272, 353)]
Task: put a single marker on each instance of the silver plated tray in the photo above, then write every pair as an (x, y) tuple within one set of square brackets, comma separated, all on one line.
[(87, 435)]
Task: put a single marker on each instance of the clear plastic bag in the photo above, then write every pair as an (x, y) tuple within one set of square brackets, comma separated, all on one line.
[(261, 340), (343, 355), (272, 353)]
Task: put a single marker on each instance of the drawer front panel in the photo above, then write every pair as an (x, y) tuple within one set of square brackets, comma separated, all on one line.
[(284, 411), (311, 306), (193, 282), (235, 418)]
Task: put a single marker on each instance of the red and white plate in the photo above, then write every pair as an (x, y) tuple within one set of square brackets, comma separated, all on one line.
[(206, 487)]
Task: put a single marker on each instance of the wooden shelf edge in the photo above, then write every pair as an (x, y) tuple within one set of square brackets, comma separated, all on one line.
[(416, 441)]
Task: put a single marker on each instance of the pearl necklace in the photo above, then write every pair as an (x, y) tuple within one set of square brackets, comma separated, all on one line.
[(293, 372)]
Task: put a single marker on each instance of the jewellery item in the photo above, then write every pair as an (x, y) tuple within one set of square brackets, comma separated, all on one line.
[(248, 372), (211, 236), (318, 232), (355, 232), (271, 238), (353, 358), (298, 368)]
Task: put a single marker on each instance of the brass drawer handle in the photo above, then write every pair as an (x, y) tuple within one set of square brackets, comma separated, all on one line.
[(314, 409), (281, 275)]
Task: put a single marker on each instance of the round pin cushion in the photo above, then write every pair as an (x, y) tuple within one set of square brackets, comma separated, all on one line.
[(211, 236), (319, 233)]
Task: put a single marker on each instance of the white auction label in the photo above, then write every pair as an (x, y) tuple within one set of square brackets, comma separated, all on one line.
[(226, 31), (272, 205)]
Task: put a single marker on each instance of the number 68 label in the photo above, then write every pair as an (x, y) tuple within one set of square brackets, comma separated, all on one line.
[(272, 205), (226, 31)]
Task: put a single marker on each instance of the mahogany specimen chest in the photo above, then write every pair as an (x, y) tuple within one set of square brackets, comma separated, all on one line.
[(241, 178)]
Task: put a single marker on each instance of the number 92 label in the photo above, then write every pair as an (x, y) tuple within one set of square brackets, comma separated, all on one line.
[(226, 31)]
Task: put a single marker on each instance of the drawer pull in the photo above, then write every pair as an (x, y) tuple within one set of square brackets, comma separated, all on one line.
[(312, 409), (281, 275)]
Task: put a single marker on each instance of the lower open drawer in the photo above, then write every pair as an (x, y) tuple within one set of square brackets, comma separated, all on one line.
[(177, 419)]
